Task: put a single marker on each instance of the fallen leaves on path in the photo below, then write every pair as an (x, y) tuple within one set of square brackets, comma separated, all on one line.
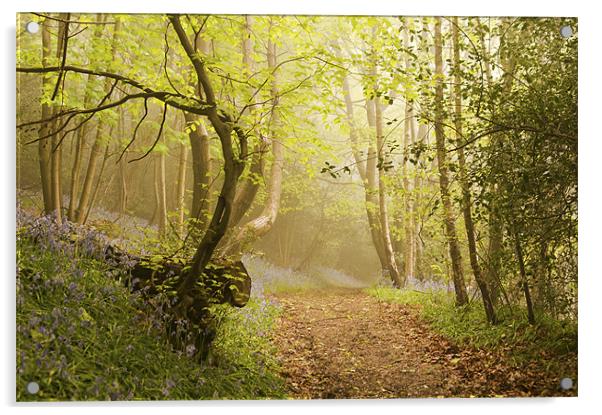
[(346, 344)]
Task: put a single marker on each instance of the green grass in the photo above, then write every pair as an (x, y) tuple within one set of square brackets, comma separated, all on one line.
[(467, 325), (82, 336)]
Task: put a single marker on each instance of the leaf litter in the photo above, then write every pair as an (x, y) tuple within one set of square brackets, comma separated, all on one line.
[(347, 344)]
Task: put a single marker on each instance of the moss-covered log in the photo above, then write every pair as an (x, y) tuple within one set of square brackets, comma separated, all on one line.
[(190, 321)]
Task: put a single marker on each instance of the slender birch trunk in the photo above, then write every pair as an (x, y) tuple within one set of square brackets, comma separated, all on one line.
[(392, 267), (450, 225), (371, 189), (366, 170), (422, 136), (409, 137), (181, 187)]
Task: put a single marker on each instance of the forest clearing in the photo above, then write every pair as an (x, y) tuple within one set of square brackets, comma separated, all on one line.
[(295, 207)]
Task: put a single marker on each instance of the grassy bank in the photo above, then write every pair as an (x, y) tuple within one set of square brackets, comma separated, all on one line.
[(81, 335), (467, 325)]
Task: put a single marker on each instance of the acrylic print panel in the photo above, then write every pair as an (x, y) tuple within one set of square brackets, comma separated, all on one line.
[(295, 207)]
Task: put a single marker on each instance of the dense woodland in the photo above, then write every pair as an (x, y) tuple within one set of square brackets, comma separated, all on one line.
[(429, 158)]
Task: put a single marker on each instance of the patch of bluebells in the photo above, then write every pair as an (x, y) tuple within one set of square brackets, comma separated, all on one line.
[(75, 321), (269, 276), (69, 239)]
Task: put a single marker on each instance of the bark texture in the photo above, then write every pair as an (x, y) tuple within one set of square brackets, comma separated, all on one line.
[(264, 222), (96, 151), (466, 197), (450, 224)]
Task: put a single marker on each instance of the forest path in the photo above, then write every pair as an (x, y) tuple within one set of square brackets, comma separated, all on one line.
[(347, 344)]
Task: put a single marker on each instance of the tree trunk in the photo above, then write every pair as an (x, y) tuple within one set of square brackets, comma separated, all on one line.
[(181, 187), (201, 172), (233, 167), (371, 190), (48, 157), (201, 158), (55, 163), (56, 190), (82, 132), (263, 223), (409, 137), (161, 197), (367, 170), (496, 223), (524, 281), (75, 172), (247, 190), (123, 183), (249, 187), (418, 185), (45, 143), (96, 151), (466, 197), (394, 274), (450, 226), (96, 187)]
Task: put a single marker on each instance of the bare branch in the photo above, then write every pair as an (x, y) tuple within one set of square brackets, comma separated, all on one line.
[(57, 19), (158, 136), (135, 130)]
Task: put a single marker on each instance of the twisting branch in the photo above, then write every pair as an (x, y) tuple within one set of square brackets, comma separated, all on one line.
[(78, 32), (71, 114), (165, 59), (86, 119), (135, 130), (175, 100), (64, 42), (265, 81), (69, 68), (197, 62), (158, 136), (58, 19), (198, 32)]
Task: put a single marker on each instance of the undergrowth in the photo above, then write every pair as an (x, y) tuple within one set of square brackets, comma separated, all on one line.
[(81, 335), (467, 325)]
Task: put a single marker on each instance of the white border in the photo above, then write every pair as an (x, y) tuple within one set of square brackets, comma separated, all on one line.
[(590, 286)]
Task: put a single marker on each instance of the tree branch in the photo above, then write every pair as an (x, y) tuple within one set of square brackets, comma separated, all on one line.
[(158, 136), (135, 130), (169, 98)]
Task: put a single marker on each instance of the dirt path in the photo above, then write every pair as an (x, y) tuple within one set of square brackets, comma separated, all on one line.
[(346, 344)]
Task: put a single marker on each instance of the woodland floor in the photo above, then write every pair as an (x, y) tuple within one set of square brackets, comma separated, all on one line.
[(347, 344)]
